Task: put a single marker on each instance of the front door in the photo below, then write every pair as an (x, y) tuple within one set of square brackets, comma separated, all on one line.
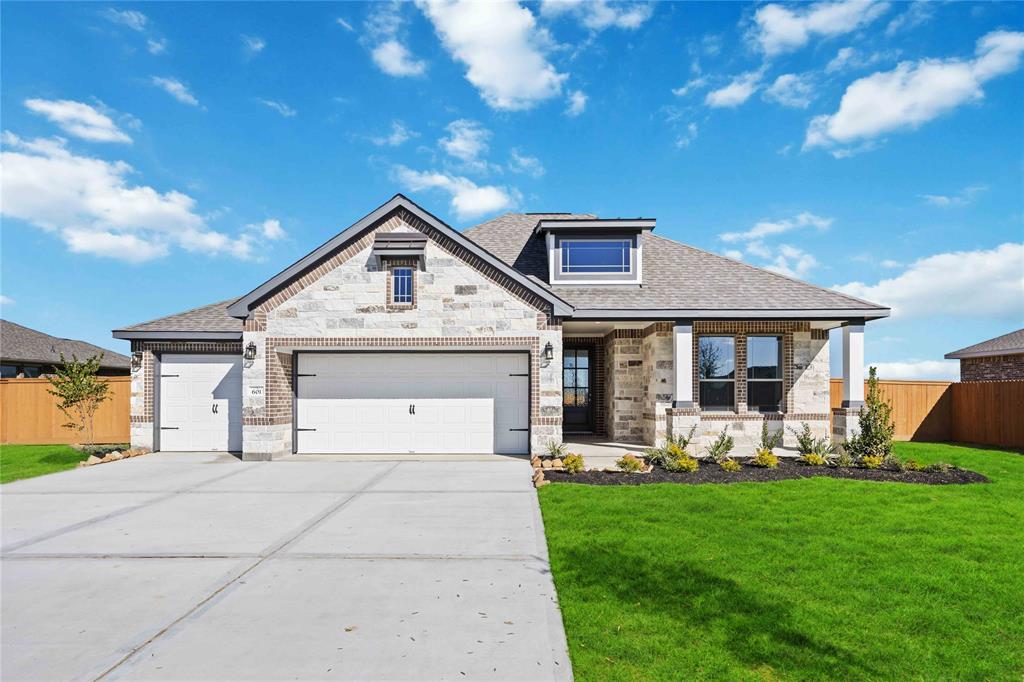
[(576, 402)]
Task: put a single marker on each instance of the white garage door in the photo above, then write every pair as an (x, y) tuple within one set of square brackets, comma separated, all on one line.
[(200, 402), (413, 402)]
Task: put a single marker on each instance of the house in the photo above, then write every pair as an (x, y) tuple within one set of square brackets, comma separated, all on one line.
[(27, 353), (998, 359), (401, 334)]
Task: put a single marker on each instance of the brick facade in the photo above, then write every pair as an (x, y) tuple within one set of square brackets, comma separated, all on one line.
[(994, 368)]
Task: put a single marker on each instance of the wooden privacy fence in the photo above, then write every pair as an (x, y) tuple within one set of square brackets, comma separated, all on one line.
[(29, 414), (986, 412)]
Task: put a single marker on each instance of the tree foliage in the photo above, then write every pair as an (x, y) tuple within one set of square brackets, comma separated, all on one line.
[(79, 392), (874, 437)]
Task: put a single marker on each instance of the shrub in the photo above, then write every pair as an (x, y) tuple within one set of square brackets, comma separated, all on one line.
[(940, 467), (813, 459), (674, 448), (872, 461), (769, 441), (876, 427), (682, 464), (765, 459), (843, 459), (573, 463), (804, 438), (721, 447), (555, 449), (730, 465), (903, 464), (681, 442), (630, 463), (823, 447)]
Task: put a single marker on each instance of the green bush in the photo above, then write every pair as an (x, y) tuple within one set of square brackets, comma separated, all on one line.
[(730, 465), (765, 459), (875, 424), (843, 460), (804, 438), (573, 463), (630, 464), (940, 467), (555, 449), (872, 461), (721, 447), (682, 464), (769, 441), (813, 459), (674, 448)]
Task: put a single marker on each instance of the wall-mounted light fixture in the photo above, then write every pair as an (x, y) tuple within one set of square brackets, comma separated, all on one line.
[(250, 351), (136, 359), (549, 352)]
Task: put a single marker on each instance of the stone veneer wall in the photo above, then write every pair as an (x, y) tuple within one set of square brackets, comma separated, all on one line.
[(658, 381), (143, 391), (626, 390), (995, 368), (461, 302)]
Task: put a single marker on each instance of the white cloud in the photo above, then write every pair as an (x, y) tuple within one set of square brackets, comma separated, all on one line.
[(598, 15), (90, 204), (919, 12), (466, 140), (736, 92), (845, 56), (791, 90), (850, 58), (384, 36), (156, 45), (733, 253), (914, 92), (792, 261), (394, 59), (692, 84), (136, 21), (6, 300), (890, 263), (345, 25), (399, 135), (766, 228), (253, 45), (983, 283), (79, 119), (176, 89), (279, 107), (468, 200), (270, 229), (962, 198), (527, 165), (917, 369), (577, 103), (778, 29), (502, 48), (685, 138)]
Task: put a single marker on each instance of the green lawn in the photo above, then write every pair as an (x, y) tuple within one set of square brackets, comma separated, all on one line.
[(26, 461), (810, 579)]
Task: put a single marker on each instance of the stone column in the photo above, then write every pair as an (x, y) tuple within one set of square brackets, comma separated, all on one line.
[(682, 364)]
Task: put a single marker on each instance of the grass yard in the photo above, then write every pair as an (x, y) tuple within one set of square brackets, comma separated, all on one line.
[(810, 579), (26, 461)]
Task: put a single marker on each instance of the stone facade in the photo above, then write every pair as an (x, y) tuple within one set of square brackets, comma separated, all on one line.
[(625, 392), (994, 368), (658, 381)]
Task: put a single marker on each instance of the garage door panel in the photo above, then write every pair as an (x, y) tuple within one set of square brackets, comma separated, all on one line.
[(464, 403), (200, 400)]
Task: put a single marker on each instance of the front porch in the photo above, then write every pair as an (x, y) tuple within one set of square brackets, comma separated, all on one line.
[(627, 385)]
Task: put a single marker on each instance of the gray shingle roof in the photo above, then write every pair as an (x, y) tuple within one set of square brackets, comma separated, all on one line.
[(675, 276), (208, 318), (21, 344), (1007, 344)]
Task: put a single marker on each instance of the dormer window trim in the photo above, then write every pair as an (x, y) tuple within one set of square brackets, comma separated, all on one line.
[(557, 231)]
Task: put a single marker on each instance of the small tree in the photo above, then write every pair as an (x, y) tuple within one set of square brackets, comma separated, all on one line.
[(80, 392), (876, 425)]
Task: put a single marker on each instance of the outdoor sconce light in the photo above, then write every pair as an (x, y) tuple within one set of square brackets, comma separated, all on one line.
[(250, 351), (136, 359), (549, 352)]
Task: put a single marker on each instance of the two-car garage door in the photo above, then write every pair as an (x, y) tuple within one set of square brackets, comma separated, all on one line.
[(412, 402)]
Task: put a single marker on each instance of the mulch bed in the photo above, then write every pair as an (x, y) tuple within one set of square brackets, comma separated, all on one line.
[(712, 473)]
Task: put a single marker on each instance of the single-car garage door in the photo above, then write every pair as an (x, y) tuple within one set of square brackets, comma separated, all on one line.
[(413, 402), (200, 403)]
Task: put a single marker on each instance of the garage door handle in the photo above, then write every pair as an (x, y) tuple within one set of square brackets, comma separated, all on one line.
[(170, 375), (168, 428), (215, 408), (305, 429), (412, 409), (519, 429)]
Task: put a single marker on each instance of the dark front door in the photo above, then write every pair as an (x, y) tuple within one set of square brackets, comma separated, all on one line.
[(577, 414)]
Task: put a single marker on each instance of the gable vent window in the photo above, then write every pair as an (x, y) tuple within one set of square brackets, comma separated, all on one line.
[(401, 285), (596, 256)]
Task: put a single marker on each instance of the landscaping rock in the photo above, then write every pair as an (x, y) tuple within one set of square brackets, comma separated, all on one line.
[(546, 464), (556, 463), (113, 456), (93, 459)]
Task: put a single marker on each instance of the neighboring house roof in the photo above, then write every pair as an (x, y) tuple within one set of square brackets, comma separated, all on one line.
[(21, 344), (1007, 344), (675, 277), (678, 281)]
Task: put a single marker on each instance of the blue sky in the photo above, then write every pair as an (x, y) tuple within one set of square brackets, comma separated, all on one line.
[(161, 156)]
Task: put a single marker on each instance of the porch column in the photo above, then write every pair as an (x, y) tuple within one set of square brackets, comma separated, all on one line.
[(682, 364), (853, 364)]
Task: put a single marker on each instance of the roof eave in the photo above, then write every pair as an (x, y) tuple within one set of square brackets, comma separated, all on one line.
[(960, 355), (733, 313), (169, 335)]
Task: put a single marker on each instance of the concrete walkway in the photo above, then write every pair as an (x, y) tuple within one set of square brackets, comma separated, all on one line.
[(203, 567)]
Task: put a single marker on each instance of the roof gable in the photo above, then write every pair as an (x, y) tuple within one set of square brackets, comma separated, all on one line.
[(1007, 344)]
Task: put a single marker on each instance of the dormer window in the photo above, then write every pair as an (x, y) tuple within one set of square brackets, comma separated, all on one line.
[(596, 256)]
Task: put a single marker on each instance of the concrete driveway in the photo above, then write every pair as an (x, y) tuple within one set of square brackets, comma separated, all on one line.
[(202, 567)]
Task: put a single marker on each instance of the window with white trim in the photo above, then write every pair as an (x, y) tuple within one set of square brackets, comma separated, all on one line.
[(401, 286), (596, 256), (764, 373)]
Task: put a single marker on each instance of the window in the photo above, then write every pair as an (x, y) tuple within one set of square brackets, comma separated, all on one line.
[(764, 373), (8, 371), (716, 370), (401, 285), (596, 256), (575, 377)]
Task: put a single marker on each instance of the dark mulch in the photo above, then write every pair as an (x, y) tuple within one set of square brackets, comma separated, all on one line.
[(787, 469)]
